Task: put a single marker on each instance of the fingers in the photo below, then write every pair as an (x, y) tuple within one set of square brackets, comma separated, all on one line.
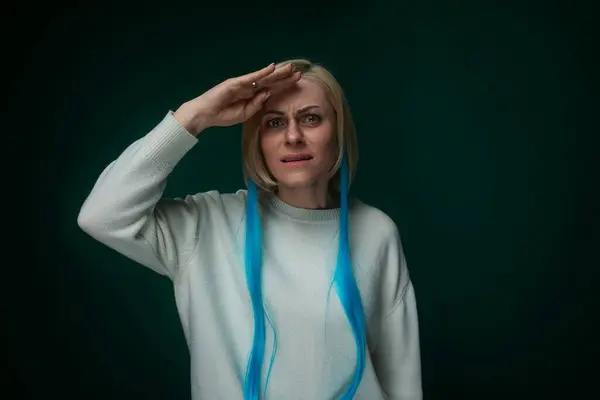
[(278, 74), (285, 81), (257, 75), (266, 77), (282, 84), (257, 102), (269, 79), (254, 105)]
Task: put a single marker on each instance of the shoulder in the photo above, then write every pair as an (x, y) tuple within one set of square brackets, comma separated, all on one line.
[(366, 219), (375, 237), (220, 199), (205, 212), (214, 201)]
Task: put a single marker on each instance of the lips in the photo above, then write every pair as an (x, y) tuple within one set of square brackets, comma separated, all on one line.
[(296, 157)]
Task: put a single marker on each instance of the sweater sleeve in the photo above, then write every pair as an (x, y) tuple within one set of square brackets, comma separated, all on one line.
[(397, 358), (124, 209)]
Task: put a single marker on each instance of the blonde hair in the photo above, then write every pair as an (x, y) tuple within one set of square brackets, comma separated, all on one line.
[(254, 164)]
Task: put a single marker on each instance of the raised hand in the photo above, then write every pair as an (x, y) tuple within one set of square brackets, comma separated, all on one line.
[(236, 99)]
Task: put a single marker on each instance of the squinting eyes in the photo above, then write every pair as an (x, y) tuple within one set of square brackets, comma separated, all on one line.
[(310, 119)]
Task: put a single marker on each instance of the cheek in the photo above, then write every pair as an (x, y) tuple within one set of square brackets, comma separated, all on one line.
[(329, 148)]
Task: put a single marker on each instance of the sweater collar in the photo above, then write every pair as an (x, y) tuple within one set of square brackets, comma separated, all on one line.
[(299, 214)]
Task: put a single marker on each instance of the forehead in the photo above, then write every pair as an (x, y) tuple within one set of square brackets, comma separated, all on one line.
[(304, 92)]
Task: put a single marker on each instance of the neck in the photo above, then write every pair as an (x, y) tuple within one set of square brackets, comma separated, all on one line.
[(314, 198)]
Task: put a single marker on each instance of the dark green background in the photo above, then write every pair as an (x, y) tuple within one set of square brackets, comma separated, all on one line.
[(472, 124)]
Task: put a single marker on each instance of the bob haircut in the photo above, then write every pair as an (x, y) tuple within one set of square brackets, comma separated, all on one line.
[(253, 161)]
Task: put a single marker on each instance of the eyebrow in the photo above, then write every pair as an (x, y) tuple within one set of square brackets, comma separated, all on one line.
[(299, 111)]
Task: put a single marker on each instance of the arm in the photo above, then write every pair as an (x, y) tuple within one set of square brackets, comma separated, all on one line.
[(397, 358), (125, 211)]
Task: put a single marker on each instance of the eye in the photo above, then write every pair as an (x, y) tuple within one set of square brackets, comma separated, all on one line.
[(312, 118), (274, 123)]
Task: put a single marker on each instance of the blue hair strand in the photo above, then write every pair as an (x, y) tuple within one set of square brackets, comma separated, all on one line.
[(253, 261), (346, 287)]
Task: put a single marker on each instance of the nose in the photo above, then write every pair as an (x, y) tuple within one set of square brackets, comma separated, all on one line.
[(293, 133)]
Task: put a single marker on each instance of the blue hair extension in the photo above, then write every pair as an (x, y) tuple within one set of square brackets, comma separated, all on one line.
[(347, 289), (253, 261)]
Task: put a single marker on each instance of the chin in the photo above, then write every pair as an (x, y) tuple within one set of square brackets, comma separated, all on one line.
[(297, 183)]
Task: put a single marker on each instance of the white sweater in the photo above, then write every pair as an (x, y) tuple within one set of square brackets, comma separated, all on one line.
[(198, 243)]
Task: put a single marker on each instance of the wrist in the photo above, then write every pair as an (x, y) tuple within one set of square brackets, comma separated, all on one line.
[(190, 120)]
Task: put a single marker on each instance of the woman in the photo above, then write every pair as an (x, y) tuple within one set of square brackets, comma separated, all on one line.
[(253, 271)]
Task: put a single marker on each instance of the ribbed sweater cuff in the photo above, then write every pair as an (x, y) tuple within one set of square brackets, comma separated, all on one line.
[(168, 143)]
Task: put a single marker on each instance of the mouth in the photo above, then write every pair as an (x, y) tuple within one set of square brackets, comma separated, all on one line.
[(296, 158)]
